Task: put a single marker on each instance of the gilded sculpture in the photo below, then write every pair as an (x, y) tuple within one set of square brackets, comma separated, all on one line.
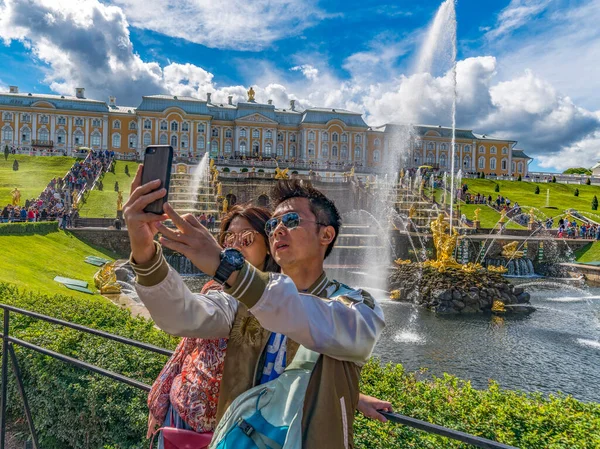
[(120, 201), (510, 250), (477, 214), (281, 174), (16, 196), (444, 244), (531, 216), (105, 280), (251, 94)]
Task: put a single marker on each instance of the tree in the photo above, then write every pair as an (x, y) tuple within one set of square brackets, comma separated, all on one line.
[(16, 165), (497, 188), (127, 169), (116, 186), (519, 178), (537, 190), (576, 193), (595, 203), (6, 152), (588, 182), (554, 179), (577, 171)]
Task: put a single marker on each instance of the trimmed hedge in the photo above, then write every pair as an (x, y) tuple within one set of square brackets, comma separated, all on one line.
[(44, 227), (73, 408)]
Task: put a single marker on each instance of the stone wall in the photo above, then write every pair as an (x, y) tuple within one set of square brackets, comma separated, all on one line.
[(112, 239)]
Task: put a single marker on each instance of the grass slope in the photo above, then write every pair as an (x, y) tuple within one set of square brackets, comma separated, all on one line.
[(32, 261), (103, 204), (589, 253), (33, 175)]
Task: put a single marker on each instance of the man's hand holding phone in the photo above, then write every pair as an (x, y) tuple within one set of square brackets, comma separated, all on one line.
[(141, 225)]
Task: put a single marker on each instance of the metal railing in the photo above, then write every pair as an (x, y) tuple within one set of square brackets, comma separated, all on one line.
[(9, 357)]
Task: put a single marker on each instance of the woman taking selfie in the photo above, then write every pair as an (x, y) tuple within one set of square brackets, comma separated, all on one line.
[(186, 393)]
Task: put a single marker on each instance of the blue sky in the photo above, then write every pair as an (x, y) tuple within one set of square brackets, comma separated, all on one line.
[(527, 69)]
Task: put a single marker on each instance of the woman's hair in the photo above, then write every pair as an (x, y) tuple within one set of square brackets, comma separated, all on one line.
[(257, 217)]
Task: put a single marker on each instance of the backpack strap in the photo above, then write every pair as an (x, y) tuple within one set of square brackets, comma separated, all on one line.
[(259, 439)]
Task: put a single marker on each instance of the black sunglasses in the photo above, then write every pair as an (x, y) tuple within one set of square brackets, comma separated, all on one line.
[(291, 220)]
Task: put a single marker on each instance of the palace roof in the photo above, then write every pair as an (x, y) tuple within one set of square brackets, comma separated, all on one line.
[(58, 101), (520, 154)]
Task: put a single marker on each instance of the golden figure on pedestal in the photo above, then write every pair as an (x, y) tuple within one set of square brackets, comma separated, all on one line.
[(16, 196), (281, 174), (444, 244), (251, 94), (105, 280), (119, 201), (510, 250)]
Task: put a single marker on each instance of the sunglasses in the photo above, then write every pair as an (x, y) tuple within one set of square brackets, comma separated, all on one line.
[(291, 220), (244, 238)]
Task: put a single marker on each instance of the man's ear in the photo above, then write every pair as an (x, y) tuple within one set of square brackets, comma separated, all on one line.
[(327, 235)]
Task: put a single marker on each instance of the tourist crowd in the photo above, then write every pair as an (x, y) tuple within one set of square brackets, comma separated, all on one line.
[(55, 202)]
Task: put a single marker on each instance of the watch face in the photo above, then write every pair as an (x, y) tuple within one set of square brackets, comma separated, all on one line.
[(234, 257)]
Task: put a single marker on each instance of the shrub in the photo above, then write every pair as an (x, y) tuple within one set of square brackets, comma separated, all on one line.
[(16, 165), (226, 170), (260, 170), (553, 178), (537, 190), (116, 186), (588, 182), (244, 170), (595, 203), (42, 228), (497, 188), (6, 152), (576, 193), (127, 169), (295, 172), (519, 178)]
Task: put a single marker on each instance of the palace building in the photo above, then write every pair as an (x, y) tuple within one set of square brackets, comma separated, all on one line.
[(247, 129)]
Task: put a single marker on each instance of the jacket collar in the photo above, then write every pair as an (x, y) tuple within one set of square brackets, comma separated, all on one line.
[(318, 288)]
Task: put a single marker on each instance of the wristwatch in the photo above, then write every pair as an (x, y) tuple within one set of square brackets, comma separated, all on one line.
[(231, 260)]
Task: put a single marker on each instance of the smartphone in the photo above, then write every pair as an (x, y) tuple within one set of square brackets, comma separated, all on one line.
[(157, 165)]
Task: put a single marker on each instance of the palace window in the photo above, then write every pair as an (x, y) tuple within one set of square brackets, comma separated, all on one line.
[(493, 163), (7, 133), (201, 128), (200, 142), (96, 123), (311, 150), (344, 137), (214, 147), (116, 141), (430, 146), (184, 141), (335, 137), (255, 133), (520, 165), (514, 166), (163, 139), (78, 121), (418, 144), (280, 150), (95, 139), (293, 151), (493, 150), (334, 151), (269, 134), (25, 134), (243, 132), (116, 125), (44, 135), (255, 148), (268, 149), (311, 136), (292, 137), (504, 164), (7, 116), (132, 141), (185, 126), (164, 126), (344, 153), (243, 148), (467, 162), (26, 118), (357, 139), (174, 141), (228, 133), (443, 147), (61, 136), (78, 137), (147, 139), (147, 124), (227, 147), (376, 156), (324, 151), (467, 148), (430, 158), (61, 120), (214, 132), (481, 149), (279, 137), (44, 119), (325, 136), (357, 153), (442, 160), (481, 162), (174, 126), (504, 150), (417, 158), (377, 142)]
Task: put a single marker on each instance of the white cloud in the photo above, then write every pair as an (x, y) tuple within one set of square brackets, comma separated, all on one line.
[(309, 71), (517, 14), (233, 24)]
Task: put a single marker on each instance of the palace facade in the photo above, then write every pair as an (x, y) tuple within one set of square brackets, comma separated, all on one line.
[(246, 129)]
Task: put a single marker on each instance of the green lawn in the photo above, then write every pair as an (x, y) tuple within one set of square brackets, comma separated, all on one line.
[(32, 261), (33, 175), (589, 253), (103, 204), (488, 217)]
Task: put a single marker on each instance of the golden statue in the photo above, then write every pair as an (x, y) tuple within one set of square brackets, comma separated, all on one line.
[(120, 201), (444, 244), (219, 189), (502, 216), (510, 251), (498, 307), (181, 168), (281, 174), (497, 269), (105, 280), (412, 211), (531, 216), (402, 262), (395, 295), (471, 267), (16, 197), (225, 205), (251, 94), (477, 214), (402, 173), (352, 172)]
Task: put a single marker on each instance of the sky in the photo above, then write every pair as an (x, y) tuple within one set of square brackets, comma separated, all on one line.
[(526, 70)]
